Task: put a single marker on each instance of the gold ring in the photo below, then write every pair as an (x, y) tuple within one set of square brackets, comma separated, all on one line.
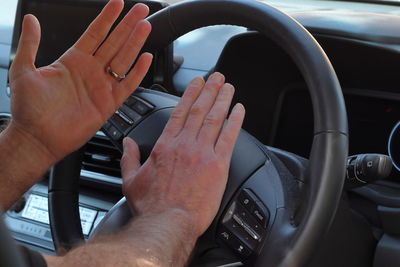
[(115, 75)]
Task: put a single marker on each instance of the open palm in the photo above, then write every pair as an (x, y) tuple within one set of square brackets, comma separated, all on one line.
[(62, 105)]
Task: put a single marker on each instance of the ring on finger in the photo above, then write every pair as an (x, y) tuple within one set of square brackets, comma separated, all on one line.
[(115, 75)]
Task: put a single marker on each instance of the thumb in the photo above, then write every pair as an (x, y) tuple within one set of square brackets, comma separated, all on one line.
[(130, 161), (28, 45)]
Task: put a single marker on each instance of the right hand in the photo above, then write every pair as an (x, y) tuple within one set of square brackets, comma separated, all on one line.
[(59, 107), (187, 170)]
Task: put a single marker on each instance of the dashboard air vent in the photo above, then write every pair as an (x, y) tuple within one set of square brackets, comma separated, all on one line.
[(4, 120), (101, 156)]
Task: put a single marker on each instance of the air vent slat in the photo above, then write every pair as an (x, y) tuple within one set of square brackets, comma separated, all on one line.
[(102, 145), (105, 168), (102, 156)]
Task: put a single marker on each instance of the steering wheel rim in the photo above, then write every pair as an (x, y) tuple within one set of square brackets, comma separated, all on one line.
[(330, 143)]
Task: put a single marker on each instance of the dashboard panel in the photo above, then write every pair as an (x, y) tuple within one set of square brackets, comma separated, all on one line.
[(278, 106), (371, 121)]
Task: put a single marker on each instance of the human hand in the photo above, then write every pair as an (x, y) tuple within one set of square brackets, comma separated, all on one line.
[(60, 106), (188, 167)]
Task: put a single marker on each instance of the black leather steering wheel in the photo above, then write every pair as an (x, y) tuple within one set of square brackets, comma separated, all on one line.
[(300, 211)]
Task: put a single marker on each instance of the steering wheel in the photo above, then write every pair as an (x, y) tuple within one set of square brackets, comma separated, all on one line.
[(267, 216)]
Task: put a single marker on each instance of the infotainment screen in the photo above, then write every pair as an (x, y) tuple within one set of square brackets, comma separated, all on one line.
[(63, 21)]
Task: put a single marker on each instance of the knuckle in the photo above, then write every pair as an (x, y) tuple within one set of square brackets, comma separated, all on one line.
[(178, 114), (155, 154), (196, 110), (190, 92), (92, 35), (216, 165), (211, 120), (158, 150), (184, 148), (228, 139), (194, 87), (125, 26), (187, 153), (194, 158), (213, 86), (133, 44)]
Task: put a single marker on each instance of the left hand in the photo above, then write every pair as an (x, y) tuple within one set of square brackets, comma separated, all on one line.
[(187, 170), (60, 106)]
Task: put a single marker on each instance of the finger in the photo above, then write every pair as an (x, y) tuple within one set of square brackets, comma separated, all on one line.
[(28, 45), (130, 161), (181, 111), (134, 78), (215, 118), (230, 132), (122, 62), (121, 33), (203, 104), (99, 28)]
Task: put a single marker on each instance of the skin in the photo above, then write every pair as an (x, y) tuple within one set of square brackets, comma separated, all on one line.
[(56, 109)]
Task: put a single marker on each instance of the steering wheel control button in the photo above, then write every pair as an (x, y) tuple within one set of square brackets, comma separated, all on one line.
[(241, 249), (246, 199), (130, 101), (246, 227), (261, 214), (106, 126), (238, 221), (234, 243), (254, 206), (120, 123), (124, 117), (133, 115), (141, 107), (114, 133), (241, 234)]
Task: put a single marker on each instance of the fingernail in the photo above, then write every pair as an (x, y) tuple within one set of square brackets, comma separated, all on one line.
[(229, 88), (197, 82), (149, 55), (125, 142), (217, 77), (238, 108)]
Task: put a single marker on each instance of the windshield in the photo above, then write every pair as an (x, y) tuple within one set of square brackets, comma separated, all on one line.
[(386, 2), (383, 6)]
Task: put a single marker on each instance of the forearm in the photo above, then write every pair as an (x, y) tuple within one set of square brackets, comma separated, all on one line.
[(163, 239), (23, 161)]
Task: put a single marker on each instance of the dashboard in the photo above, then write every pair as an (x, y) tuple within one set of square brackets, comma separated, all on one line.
[(361, 40), (279, 109)]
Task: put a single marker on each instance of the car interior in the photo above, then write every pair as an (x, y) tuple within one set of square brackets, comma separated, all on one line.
[(315, 175)]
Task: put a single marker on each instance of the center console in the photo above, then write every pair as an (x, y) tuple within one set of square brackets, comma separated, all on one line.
[(28, 218)]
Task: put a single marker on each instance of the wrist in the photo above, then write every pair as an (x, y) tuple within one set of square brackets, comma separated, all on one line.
[(15, 136), (23, 162), (179, 220), (185, 221), (165, 236)]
